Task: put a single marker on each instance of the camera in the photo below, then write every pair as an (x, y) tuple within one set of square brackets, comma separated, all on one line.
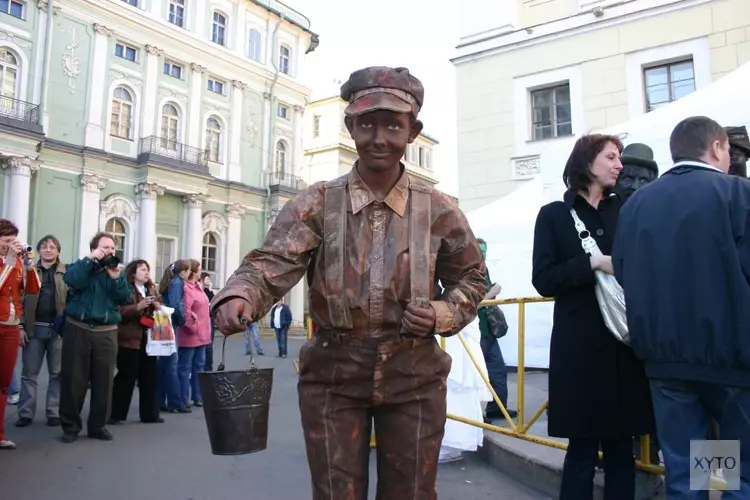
[(110, 261), (26, 248)]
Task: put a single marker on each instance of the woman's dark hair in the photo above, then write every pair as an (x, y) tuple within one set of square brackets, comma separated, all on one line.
[(7, 228), (194, 266), (577, 173), (204, 275), (175, 268), (131, 269), (47, 239)]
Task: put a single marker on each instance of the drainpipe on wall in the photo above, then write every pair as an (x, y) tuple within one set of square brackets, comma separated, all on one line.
[(269, 139), (43, 100)]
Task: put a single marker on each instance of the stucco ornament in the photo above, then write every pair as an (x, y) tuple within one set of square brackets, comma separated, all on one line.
[(71, 63)]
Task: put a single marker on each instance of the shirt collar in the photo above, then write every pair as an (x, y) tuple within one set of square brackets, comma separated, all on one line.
[(695, 163), (571, 195), (361, 195)]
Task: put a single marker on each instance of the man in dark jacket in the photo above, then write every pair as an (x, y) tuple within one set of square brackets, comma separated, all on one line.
[(208, 286), (90, 338), (682, 255), (281, 320)]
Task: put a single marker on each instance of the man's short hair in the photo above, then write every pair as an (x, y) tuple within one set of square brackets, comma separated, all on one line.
[(692, 137), (47, 239), (7, 228), (94, 244)]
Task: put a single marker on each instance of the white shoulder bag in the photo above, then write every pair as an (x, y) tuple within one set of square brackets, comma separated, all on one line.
[(609, 293)]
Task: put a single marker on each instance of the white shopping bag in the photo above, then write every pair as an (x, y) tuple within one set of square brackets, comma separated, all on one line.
[(161, 337)]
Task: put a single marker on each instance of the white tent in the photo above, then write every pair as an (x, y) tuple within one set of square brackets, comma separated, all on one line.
[(508, 224)]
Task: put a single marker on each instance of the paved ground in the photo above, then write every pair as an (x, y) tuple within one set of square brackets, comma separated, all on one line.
[(173, 461)]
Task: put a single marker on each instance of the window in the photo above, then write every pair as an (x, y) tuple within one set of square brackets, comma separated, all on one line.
[(282, 112), (422, 157), (171, 69), (116, 228), (122, 114), (124, 51), (164, 253), (134, 3), (219, 28), (213, 139), (9, 74), (668, 82), (550, 109), (177, 12), (285, 59), (170, 127), (209, 255), (215, 86), (254, 45), (316, 125), (280, 159), (12, 7)]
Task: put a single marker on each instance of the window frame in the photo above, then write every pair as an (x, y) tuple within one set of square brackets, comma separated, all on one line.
[(114, 131), (250, 44), (9, 12), (316, 125), (178, 4), (211, 85), (217, 257), (177, 118), (125, 47), (209, 133), (552, 88), (171, 65), (284, 154), (4, 66), (223, 34), (668, 65), (156, 277), (119, 237), (282, 111), (288, 57)]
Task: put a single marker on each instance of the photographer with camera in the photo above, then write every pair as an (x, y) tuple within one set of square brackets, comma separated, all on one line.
[(97, 290), (17, 276)]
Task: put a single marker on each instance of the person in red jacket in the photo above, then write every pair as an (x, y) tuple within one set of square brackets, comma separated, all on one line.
[(17, 276)]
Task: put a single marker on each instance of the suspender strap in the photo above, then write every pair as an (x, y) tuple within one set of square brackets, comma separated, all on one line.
[(334, 248), (420, 224)]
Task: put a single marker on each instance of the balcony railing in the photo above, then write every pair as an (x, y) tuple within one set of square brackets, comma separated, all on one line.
[(286, 11), (174, 152), (19, 110), (282, 179)]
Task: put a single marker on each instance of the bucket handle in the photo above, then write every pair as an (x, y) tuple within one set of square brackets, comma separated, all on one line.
[(220, 368)]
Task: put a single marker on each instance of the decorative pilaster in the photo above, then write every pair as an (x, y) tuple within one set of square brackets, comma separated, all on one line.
[(91, 187), (194, 225), (267, 138), (299, 117), (94, 128), (235, 165), (149, 115), (43, 5), (235, 211), (148, 192), (195, 120)]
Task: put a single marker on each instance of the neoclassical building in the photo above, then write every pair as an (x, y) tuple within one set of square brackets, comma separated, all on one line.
[(174, 124)]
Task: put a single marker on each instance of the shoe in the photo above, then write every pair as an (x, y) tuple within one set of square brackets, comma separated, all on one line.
[(101, 434), (185, 409), (23, 422), (69, 437), (157, 420), (6, 444), (53, 422), (198, 404), (260, 353), (113, 421), (283, 355), (13, 399), (164, 409)]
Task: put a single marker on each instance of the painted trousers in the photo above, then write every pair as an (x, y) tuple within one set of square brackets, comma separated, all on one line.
[(346, 382)]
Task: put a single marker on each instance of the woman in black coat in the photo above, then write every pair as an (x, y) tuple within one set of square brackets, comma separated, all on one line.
[(598, 391)]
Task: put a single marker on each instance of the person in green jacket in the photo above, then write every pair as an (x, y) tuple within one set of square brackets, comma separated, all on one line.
[(493, 356), (97, 289)]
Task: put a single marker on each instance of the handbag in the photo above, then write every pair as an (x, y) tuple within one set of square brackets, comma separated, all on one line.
[(147, 321), (609, 293), (496, 322)]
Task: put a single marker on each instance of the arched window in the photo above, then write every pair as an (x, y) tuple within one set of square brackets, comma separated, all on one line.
[(219, 28), (213, 139), (281, 161), (170, 127), (122, 114), (285, 59), (9, 68), (210, 255), (116, 228), (254, 50)]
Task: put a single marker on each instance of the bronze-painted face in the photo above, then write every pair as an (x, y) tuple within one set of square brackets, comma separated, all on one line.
[(737, 162), (632, 178)]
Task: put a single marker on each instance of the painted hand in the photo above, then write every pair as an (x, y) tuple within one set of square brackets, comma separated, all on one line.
[(419, 320), (234, 316)]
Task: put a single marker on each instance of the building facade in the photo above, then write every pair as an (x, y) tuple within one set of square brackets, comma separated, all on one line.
[(533, 73), (174, 124), (330, 151)]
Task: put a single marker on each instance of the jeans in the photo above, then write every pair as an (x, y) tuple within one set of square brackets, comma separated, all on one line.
[(9, 338), (13, 387), (191, 360), (44, 342), (168, 386), (580, 465), (210, 349), (281, 338), (683, 412), (256, 338), (496, 372)]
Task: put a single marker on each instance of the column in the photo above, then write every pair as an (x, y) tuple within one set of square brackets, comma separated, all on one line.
[(201, 18), (267, 140), (91, 189), (195, 120), (299, 154), (235, 165), (147, 191), (19, 170), (234, 238), (94, 128), (194, 226), (149, 114), (41, 34), (240, 30)]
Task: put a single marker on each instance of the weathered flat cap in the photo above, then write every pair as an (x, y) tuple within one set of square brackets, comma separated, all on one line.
[(380, 87), (738, 138)]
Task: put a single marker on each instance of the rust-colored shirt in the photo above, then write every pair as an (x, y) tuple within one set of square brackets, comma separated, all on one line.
[(375, 260)]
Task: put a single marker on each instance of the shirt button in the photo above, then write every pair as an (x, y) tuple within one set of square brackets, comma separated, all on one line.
[(600, 232)]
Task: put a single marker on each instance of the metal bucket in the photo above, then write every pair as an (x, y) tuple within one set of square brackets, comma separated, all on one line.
[(235, 404)]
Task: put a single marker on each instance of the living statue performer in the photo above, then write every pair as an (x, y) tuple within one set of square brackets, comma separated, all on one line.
[(739, 150), (373, 243), (638, 169)]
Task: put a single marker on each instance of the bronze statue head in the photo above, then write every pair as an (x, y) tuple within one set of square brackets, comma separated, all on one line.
[(638, 169)]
